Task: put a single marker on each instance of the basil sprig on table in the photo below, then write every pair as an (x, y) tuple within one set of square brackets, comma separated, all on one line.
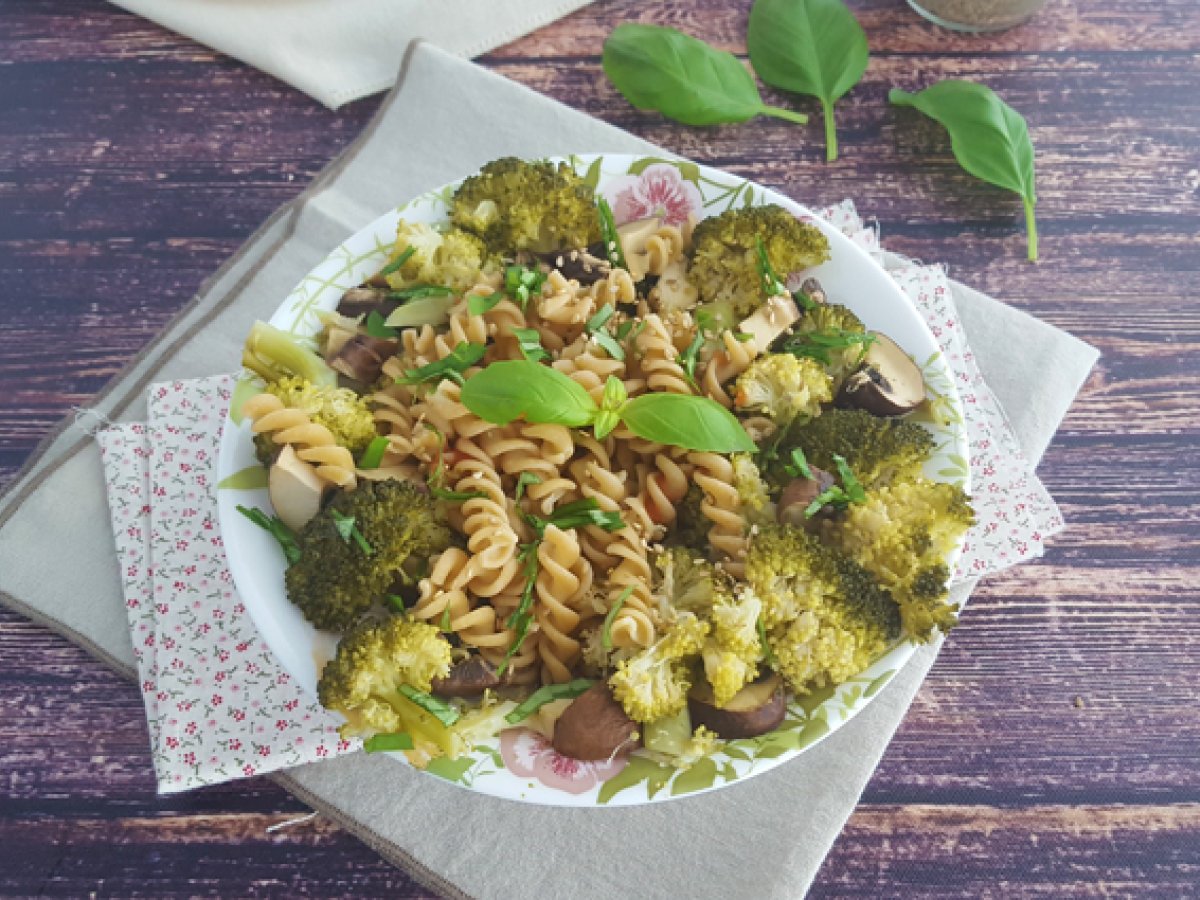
[(683, 78), (813, 47), (990, 139), (513, 389)]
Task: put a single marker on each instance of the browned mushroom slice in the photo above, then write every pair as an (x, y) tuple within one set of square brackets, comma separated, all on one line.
[(362, 301), (594, 726), (294, 488), (469, 678), (798, 496), (757, 708), (361, 358), (888, 383)]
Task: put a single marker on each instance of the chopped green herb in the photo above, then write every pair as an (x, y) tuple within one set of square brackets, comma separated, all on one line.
[(445, 624), (461, 358), (397, 603), (851, 491), (599, 319), (377, 328), (373, 455), (521, 283), (275, 527), (772, 284), (606, 634), (347, 528), (742, 336), (630, 328), (610, 344), (548, 694), (529, 342), (524, 480), (455, 496), (585, 512), (395, 264), (415, 291), (477, 305), (767, 652), (798, 467), (854, 490), (818, 344), (613, 251), (689, 357), (386, 743), (521, 617), (439, 709)]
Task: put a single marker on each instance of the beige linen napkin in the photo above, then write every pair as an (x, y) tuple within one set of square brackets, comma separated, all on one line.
[(339, 50), (763, 838)]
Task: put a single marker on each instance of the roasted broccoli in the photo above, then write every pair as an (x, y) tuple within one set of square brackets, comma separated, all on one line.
[(725, 261), (783, 387), (343, 412), (451, 257), (363, 681), (902, 533), (353, 550), (831, 335), (655, 682), (732, 650), (538, 206), (879, 451), (272, 354), (826, 617)]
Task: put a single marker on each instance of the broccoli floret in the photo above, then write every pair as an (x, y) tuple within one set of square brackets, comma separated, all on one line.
[(725, 256), (688, 583), (826, 617), (363, 680), (517, 205), (733, 649), (655, 682), (879, 451), (783, 387), (336, 579), (833, 336), (752, 490), (272, 354), (452, 257), (341, 410), (690, 529), (903, 533)]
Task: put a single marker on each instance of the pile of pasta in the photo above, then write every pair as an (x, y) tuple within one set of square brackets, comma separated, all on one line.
[(581, 572)]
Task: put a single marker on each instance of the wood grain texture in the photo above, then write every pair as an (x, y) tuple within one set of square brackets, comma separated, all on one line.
[(1052, 750)]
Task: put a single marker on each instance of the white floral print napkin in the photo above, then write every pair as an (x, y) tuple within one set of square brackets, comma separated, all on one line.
[(218, 704)]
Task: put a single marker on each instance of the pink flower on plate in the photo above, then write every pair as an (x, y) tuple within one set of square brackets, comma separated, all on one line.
[(658, 191), (527, 754)]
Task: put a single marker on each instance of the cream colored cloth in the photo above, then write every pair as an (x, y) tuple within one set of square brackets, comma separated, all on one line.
[(762, 838), (339, 50)]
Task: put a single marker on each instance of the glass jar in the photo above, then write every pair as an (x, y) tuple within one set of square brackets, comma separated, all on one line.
[(977, 15)]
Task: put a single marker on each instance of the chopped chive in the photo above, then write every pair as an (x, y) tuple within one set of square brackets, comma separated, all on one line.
[(613, 251), (767, 652), (609, 343), (376, 327), (529, 342), (412, 292), (455, 496), (599, 318), (397, 603), (348, 530), (373, 455), (606, 634), (461, 358), (274, 526), (439, 709), (478, 305), (386, 743), (548, 694), (395, 264)]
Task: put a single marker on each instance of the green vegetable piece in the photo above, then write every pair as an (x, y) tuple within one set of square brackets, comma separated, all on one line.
[(610, 236), (610, 345), (585, 512), (689, 357), (462, 357), (376, 327), (990, 139), (396, 264), (529, 342), (417, 291), (684, 420), (348, 529), (813, 47), (599, 318), (606, 633), (799, 465), (455, 496), (524, 480), (439, 709), (397, 603), (274, 527), (548, 694), (385, 743), (508, 390), (521, 283), (683, 78), (433, 310), (478, 305), (854, 490), (373, 455)]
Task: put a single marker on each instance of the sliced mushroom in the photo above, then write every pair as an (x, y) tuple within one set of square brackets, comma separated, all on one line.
[(633, 237), (362, 300), (594, 726), (809, 287), (361, 358), (295, 489), (586, 266), (757, 708), (469, 678), (888, 383), (770, 321), (799, 494)]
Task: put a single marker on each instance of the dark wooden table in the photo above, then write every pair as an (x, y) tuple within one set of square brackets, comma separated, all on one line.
[(1055, 748)]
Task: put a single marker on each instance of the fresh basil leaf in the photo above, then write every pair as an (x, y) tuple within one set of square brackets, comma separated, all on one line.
[(423, 311), (284, 536), (439, 709), (606, 632), (377, 328), (462, 357), (477, 304), (688, 421), (547, 694), (395, 264), (614, 395), (990, 139), (508, 390), (683, 78), (813, 47), (606, 421), (384, 743), (373, 455)]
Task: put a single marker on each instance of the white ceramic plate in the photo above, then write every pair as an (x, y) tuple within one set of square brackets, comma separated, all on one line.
[(521, 765)]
